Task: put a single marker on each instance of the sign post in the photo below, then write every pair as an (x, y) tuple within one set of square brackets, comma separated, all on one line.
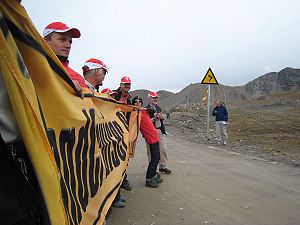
[(209, 79), (208, 112)]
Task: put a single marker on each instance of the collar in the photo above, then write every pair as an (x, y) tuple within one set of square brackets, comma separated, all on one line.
[(124, 95), (89, 84), (63, 59)]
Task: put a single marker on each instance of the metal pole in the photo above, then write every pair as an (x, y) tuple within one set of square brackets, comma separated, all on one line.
[(224, 96), (208, 111)]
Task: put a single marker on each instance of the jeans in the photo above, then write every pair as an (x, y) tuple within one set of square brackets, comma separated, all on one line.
[(155, 157), (221, 132)]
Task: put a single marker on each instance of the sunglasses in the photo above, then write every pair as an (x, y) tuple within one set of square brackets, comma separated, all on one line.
[(137, 101)]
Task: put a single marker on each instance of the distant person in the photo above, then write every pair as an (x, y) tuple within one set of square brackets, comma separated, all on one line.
[(150, 134), (157, 118), (168, 115), (94, 71), (59, 37), (221, 114)]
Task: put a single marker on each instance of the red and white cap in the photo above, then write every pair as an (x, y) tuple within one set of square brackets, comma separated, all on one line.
[(126, 80), (152, 94), (60, 27), (92, 64), (108, 91)]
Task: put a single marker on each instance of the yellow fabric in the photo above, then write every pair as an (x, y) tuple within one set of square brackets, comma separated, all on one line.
[(79, 148)]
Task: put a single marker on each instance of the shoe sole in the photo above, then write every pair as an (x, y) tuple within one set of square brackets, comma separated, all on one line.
[(165, 172), (126, 188), (151, 186)]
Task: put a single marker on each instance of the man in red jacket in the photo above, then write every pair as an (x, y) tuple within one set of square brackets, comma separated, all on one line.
[(59, 37)]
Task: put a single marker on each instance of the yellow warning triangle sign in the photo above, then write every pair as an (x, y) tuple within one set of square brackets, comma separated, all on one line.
[(209, 78)]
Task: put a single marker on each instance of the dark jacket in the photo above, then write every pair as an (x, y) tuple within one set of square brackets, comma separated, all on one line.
[(220, 113), (18, 200), (156, 109), (117, 96)]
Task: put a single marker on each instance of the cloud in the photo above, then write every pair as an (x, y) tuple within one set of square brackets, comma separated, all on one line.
[(171, 43)]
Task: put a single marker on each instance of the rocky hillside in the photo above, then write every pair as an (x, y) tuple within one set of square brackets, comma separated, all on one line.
[(285, 80), (265, 85)]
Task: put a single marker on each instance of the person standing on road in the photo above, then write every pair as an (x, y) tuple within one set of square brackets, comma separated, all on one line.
[(221, 114), (122, 95), (157, 118), (151, 137)]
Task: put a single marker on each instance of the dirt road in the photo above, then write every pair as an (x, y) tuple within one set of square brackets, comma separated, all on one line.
[(210, 186)]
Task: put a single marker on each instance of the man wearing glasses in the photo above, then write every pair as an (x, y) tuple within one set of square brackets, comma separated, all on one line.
[(157, 118), (122, 95), (94, 71)]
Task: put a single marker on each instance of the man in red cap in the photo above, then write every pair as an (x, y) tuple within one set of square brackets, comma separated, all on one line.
[(59, 37), (94, 71), (122, 93), (158, 117)]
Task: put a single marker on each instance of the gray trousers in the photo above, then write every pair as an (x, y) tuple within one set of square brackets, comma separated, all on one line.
[(221, 132), (162, 149)]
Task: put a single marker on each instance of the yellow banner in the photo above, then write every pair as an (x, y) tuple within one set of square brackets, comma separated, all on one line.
[(79, 148)]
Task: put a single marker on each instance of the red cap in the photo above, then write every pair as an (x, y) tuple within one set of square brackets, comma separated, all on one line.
[(60, 27), (153, 94), (126, 80), (108, 91), (94, 64)]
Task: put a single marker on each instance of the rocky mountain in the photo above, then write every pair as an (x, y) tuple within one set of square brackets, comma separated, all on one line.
[(263, 86), (144, 94)]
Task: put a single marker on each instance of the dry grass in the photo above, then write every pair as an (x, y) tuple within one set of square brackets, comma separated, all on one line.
[(266, 127), (272, 124)]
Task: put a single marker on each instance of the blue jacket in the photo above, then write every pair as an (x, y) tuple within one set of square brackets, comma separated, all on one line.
[(220, 113)]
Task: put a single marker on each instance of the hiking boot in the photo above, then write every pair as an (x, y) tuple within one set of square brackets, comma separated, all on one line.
[(151, 183), (165, 170), (158, 178), (118, 204), (125, 185), (122, 199)]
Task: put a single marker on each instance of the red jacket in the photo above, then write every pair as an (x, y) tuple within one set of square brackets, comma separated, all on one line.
[(74, 75), (147, 128)]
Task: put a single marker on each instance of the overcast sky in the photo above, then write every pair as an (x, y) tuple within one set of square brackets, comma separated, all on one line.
[(169, 44)]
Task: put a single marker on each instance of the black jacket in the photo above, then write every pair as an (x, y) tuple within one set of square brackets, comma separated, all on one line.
[(118, 94), (156, 109)]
